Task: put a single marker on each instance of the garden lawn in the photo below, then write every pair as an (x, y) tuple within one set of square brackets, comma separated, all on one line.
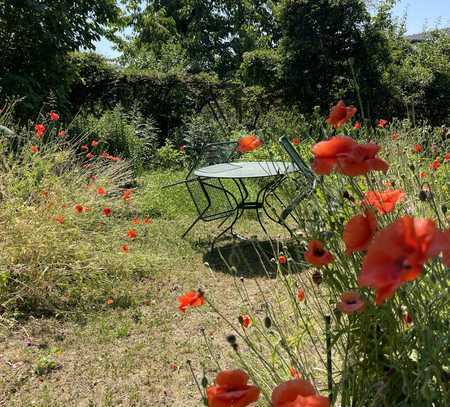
[(133, 351)]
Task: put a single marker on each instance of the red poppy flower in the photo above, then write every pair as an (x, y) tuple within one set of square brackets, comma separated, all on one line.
[(357, 125), (422, 174), (447, 157), (359, 231), (39, 130), (245, 320), (297, 393), (104, 154), (191, 299), (345, 156), (232, 390), (300, 294), (282, 259), (132, 234), (94, 143), (147, 221), (61, 133), (84, 147), (384, 201), (107, 211), (317, 255), (248, 143), (59, 219), (136, 221), (90, 156), (417, 148), (435, 165), (79, 208), (382, 123), (397, 254), (34, 149), (350, 302), (340, 114), (124, 248), (126, 194), (395, 136), (109, 301), (101, 191), (54, 116), (295, 141)]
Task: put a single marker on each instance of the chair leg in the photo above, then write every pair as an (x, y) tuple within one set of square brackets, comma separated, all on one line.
[(191, 226)]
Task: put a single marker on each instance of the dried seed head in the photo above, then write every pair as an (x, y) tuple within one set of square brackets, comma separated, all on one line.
[(235, 347), (317, 277), (204, 382), (231, 339), (267, 322), (444, 209)]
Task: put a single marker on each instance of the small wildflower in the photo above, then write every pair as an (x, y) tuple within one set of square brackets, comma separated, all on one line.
[(109, 301), (90, 156), (94, 143), (61, 133), (382, 123), (136, 221), (191, 299), (54, 116), (317, 255), (407, 318), (300, 294), (417, 148), (245, 320), (79, 208), (84, 147), (350, 302), (101, 191), (59, 219), (39, 130), (296, 141), (435, 165)]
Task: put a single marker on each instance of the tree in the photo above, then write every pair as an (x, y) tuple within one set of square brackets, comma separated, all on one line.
[(214, 34), (322, 40), (36, 35)]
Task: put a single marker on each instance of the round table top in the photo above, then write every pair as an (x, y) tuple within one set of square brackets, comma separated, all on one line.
[(246, 169)]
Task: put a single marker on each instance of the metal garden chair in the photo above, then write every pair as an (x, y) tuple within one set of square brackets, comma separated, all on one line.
[(211, 198), (304, 181)]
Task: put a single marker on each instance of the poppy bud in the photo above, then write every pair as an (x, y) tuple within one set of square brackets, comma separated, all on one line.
[(423, 195), (317, 277), (412, 167), (444, 209), (267, 322), (242, 279), (204, 382), (231, 339)]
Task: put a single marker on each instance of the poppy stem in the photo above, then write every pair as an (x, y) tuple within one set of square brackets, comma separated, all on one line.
[(189, 363), (329, 360)]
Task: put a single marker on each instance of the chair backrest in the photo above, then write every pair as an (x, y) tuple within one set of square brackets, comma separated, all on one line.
[(210, 196), (296, 159)]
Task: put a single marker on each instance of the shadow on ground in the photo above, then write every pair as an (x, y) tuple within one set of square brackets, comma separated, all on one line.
[(249, 258)]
